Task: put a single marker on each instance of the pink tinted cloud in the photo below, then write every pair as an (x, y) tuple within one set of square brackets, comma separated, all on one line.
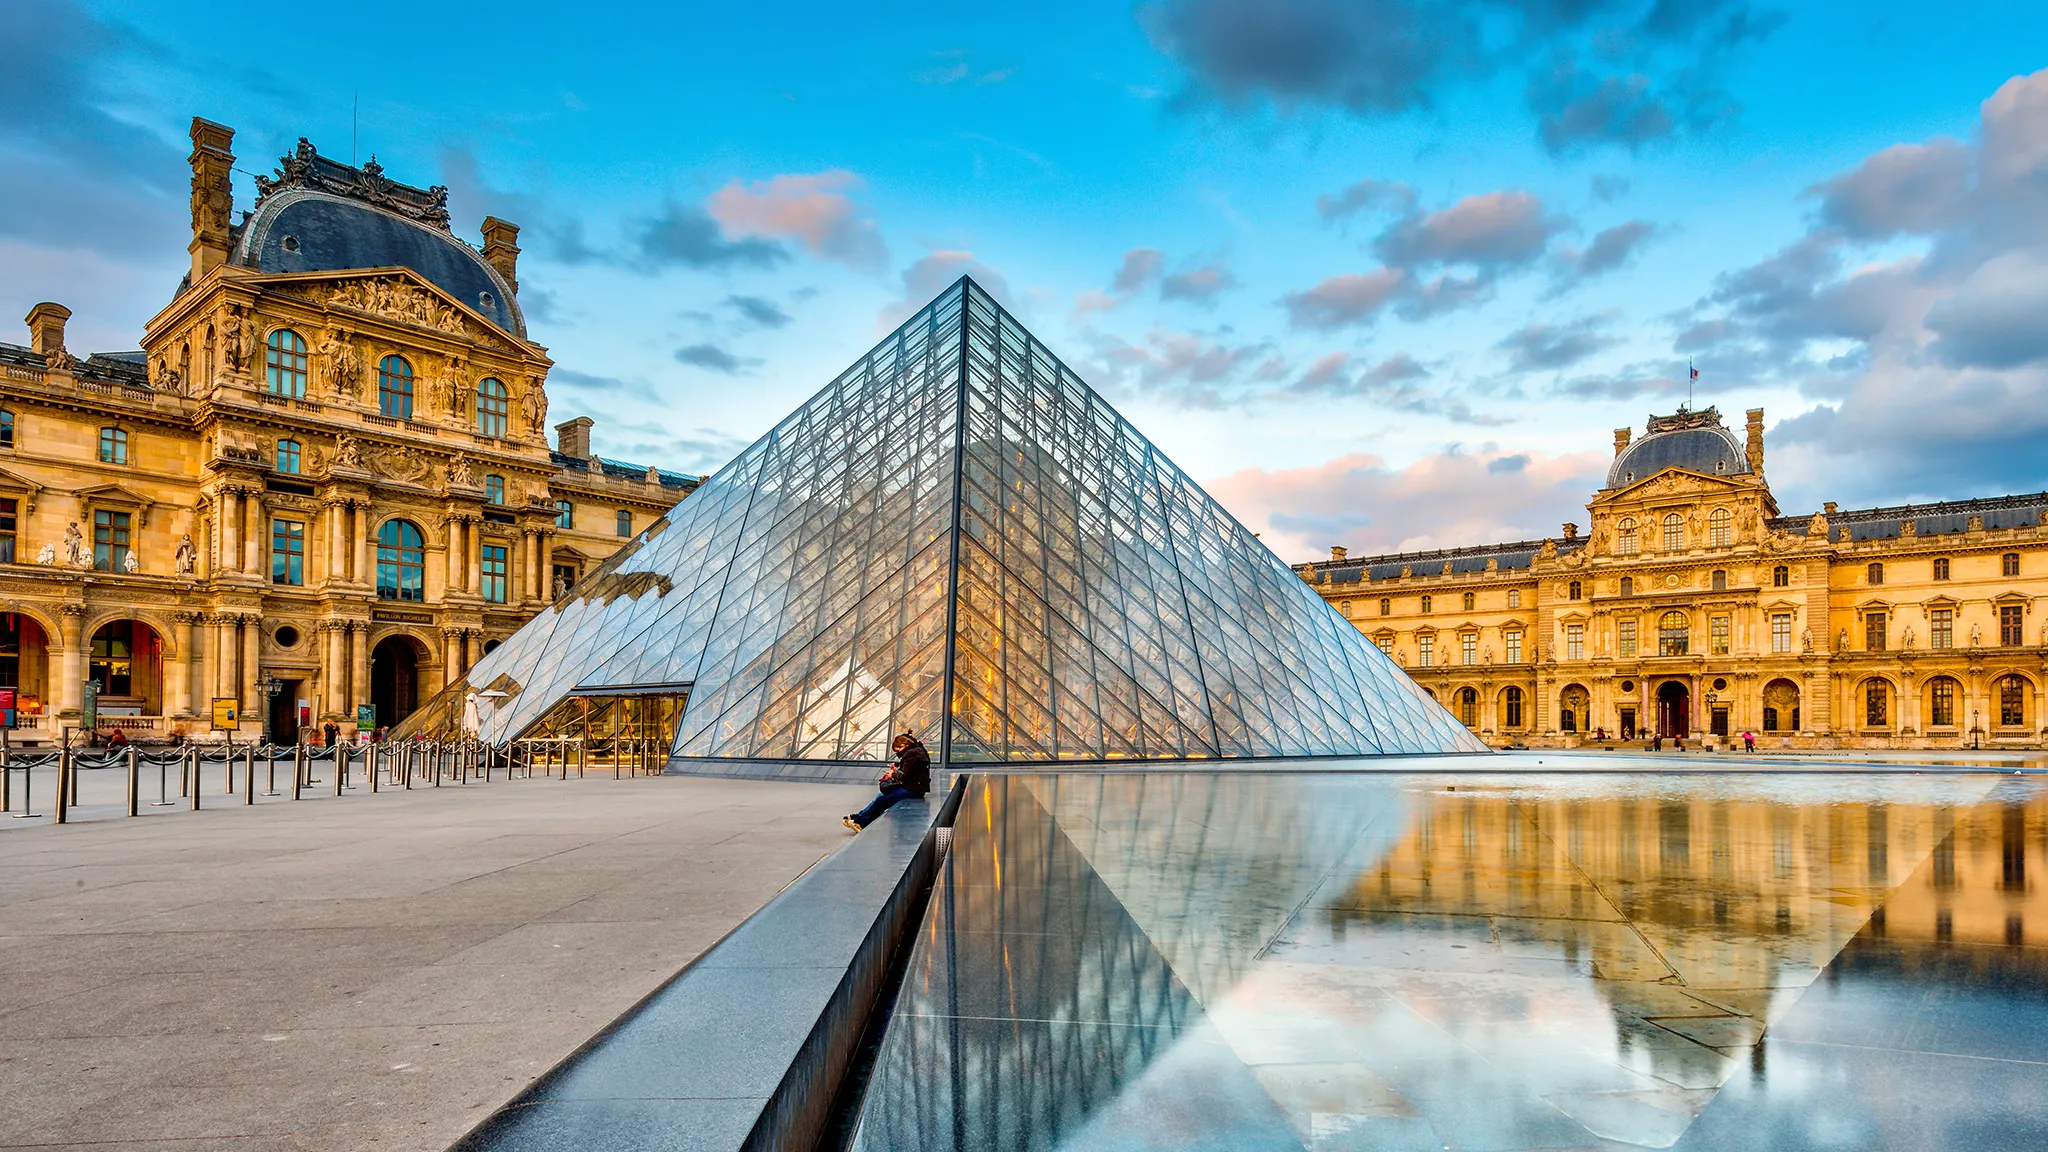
[(813, 209)]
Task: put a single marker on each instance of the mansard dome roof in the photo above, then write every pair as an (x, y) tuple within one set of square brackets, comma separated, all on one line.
[(1694, 441), (320, 215)]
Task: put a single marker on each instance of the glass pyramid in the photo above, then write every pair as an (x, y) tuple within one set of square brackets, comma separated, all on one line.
[(959, 538)]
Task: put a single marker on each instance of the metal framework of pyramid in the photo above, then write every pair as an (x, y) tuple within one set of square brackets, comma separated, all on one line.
[(959, 538)]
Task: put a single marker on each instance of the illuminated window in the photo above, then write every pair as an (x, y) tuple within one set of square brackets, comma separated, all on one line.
[(284, 364), (394, 387), (1941, 628), (1674, 634), (1425, 604), (1720, 531), (1386, 644), (1386, 606), (1575, 641), (1514, 643), (493, 406), (1674, 532), (1625, 638), (1717, 635), (288, 453), (1514, 597), (1781, 631), (1349, 607)]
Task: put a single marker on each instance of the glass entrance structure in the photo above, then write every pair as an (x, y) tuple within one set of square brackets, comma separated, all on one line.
[(960, 539)]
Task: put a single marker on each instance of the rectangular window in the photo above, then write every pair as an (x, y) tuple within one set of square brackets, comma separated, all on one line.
[(1781, 631), (110, 541), (287, 552), (1876, 705), (625, 522), (1425, 604), (2010, 626), (564, 578), (1514, 597), (1575, 641), (1468, 647), (1386, 644), (2009, 564), (1626, 641), (1717, 635), (1942, 703), (1514, 647), (494, 573), (1873, 632), (113, 446), (6, 428), (1941, 568), (288, 456), (1941, 628), (9, 523), (1425, 648)]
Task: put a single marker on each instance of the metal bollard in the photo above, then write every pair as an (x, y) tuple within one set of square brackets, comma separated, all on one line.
[(299, 770), (370, 758), (134, 783), (407, 758), (248, 773), (163, 780), (340, 768), (63, 790)]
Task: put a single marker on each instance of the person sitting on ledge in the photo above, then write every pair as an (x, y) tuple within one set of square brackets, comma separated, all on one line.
[(909, 778)]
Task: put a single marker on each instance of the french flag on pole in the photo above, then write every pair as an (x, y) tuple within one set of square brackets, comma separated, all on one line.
[(1695, 372)]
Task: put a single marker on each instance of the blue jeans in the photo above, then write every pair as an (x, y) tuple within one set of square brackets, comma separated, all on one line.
[(887, 800)]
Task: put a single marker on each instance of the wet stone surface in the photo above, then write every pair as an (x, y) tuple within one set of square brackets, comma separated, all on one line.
[(1479, 964)]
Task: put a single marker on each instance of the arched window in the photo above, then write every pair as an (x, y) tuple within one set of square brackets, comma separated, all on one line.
[(1720, 528), (1511, 707), (1720, 580), (1350, 607), (494, 489), (2009, 564), (394, 387), (6, 428), (1628, 586), (565, 514), (1877, 704), (1781, 577), (401, 561), (1626, 542), (1386, 606), (1674, 532), (113, 446), (1425, 603), (288, 453), (493, 406), (1674, 634), (1468, 707), (2012, 701), (284, 364), (1941, 702), (1874, 574), (1572, 591), (625, 522), (1941, 568), (1470, 600), (1514, 597)]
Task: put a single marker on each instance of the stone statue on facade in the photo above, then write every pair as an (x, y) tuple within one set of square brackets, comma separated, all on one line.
[(347, 454), (236, 337), (1806, 639), (1818, 526), (460, 472), (1842, 641), (1976, 635), (344, 366), (132, 563), (1906, 640), (534, 405), (561, 587), (47, 556), (75, 553), (187, 556)]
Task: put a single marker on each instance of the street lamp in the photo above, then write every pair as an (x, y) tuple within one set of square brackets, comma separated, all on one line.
[(1976, 729), (1711, 696)]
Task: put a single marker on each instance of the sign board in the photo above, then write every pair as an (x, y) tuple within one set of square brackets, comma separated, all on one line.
[(366, 717), (7, 708), (92, 706), (227, 713)]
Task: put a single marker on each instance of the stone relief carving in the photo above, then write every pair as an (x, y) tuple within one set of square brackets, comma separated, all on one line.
[(165, 378), (344, 364), (1818, 526), (306, 168), (534, 405), (397, 462), (461, 473), (391, 297), (347, 453)]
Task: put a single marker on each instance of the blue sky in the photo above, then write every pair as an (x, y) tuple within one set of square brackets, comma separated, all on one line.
[(1379, 274)]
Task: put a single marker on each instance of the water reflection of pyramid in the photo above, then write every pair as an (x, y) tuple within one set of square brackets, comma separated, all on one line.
[(959, 537)]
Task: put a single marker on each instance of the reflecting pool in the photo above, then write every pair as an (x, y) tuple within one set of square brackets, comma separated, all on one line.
[(1478, 963)]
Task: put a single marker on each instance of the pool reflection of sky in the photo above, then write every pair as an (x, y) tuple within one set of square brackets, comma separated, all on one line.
[(1339, 963)]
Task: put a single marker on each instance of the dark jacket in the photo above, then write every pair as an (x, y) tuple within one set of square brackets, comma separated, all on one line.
[(914, 767)]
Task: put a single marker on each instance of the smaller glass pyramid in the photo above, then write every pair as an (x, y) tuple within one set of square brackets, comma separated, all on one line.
[(959, 538)]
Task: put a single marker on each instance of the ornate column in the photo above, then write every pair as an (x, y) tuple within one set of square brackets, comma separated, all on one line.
[(227, 650), (452, 666), (257, 536), (337, 559), (230, 521), (358, 665), (476, 558), (188, 640), (334, 667), (360, 513), (457, 551), (71, 685), (252, 632)]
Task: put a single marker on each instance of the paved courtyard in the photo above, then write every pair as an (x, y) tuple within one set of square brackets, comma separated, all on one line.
[(363, 972)]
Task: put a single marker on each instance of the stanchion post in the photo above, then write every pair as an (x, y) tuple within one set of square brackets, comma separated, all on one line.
[(248, 773), (340, 767), (370, 758), (299, 771), (64, 792), (134, 783), (226, 768)]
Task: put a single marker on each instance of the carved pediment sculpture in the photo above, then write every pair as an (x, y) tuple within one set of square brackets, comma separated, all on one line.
[(1818, 526), (397, 462), (394, 298)]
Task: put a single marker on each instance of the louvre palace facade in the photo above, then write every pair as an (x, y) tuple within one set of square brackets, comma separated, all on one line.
[(1691, 608), (323, 481)]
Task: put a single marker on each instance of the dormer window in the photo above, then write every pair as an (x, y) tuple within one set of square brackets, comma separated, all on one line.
[(289, 243), (486, 300)]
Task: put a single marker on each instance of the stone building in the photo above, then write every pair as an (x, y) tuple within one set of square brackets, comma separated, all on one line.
[(323, 481), (1691, 608)]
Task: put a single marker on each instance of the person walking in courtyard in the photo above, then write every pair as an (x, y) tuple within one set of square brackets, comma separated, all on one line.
[(909, 778), (1748, 741)]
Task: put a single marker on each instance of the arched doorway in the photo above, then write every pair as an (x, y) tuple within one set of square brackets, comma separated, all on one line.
[(394, 679), (126, 661), (1781, 706), (1574, 709), (1674, 709), (25, 664)]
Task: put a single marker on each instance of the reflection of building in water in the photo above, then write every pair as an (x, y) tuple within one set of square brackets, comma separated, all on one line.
[(1979, 885)]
